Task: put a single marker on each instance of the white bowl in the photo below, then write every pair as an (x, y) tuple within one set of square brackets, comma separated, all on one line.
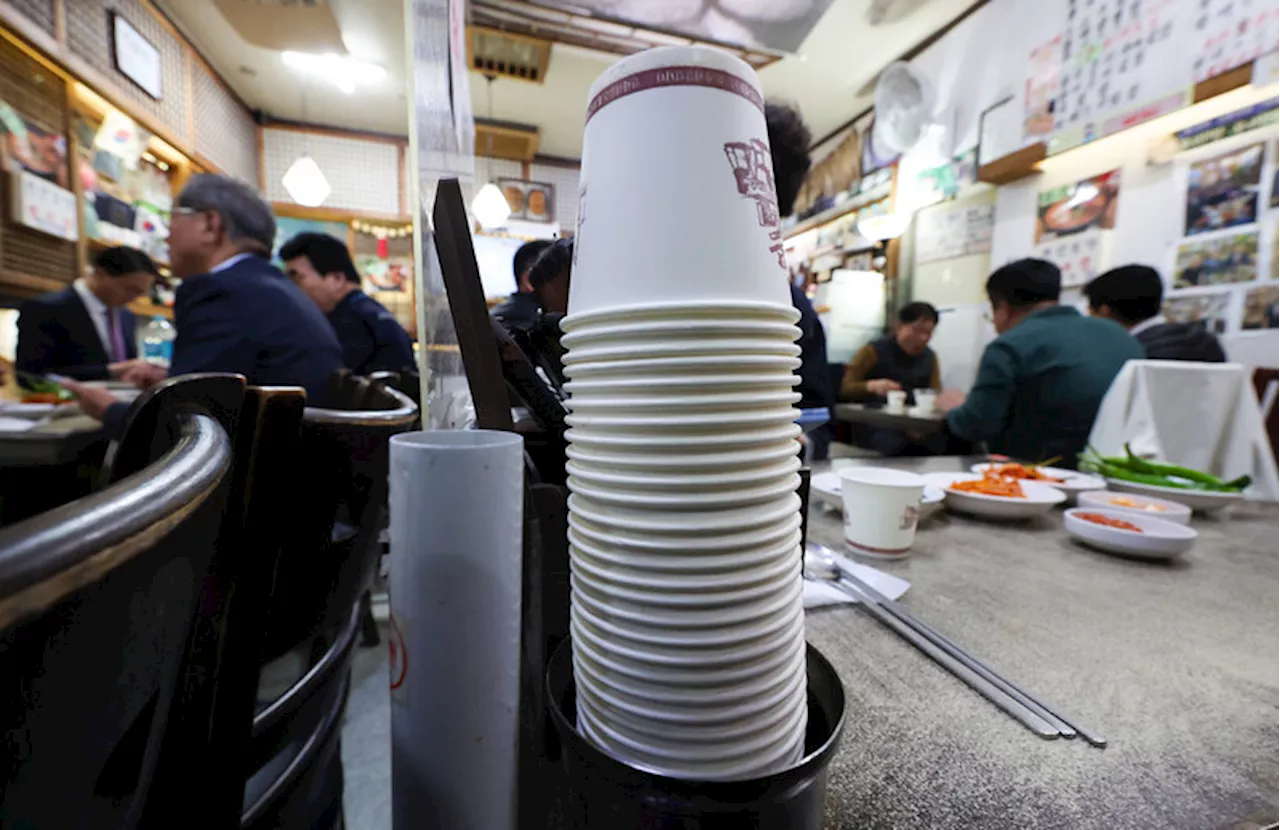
[(704, 499), (1040, 498), (693, 310), (1073, 482), (732, 402), (691, 523), (684, 366), (1159, 539), (1203, 501), (1170, 511), (738, 439)]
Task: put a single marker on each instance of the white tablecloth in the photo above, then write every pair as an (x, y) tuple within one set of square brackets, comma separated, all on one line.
[(1200, 415)]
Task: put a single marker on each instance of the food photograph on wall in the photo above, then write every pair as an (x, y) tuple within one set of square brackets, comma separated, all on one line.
[(1222, 192), (1260, 308), (1209, 310), (1223, 259), (1077, 207)]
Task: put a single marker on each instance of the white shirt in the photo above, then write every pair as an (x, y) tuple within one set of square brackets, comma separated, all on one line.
[(227, 263), (97, 313), (1149, 323)]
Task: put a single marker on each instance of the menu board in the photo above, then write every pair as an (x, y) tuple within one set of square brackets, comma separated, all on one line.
[(954, 230), (1230, 33)]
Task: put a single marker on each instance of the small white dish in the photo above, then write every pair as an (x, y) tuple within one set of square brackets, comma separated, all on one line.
[(1203, 501), (1170, 511), (1159, 539), (1073, 482), (825, 487), (1039, 498)]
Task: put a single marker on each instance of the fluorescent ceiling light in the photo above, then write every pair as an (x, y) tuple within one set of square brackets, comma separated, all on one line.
[(343, 71), (490, 206), (305, 182)]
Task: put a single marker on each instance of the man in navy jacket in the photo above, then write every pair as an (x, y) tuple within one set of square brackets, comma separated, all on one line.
[(86, 332), (235, 312)]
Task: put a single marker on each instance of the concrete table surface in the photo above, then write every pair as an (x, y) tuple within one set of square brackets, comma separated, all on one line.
[(1174, 663), (857, 413)]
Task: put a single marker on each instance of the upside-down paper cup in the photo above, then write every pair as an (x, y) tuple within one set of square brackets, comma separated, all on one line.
[(696, 312), (675, 149)]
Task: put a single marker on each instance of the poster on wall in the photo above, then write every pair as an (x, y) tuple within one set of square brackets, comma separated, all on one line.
[(34, 149), (529, 201), (1111, 64), (1079, 257), (1078, 207), (1209, 310), (1231, 33), (1218, 261), (1261, 309), (1222, 192), (955, 230), (288, 227), (389, 274)]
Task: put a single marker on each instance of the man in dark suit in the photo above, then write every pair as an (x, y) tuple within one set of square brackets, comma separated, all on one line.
[(372, 339), (235, 312), (86, 332)]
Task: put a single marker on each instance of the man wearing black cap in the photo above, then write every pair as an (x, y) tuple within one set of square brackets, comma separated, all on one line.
[(1131, 295), (1041, 381)]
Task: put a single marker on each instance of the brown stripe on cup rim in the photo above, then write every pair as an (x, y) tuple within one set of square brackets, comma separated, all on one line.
[(675, 76)]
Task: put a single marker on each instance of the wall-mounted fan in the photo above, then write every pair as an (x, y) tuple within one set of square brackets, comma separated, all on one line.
[(903, 104)]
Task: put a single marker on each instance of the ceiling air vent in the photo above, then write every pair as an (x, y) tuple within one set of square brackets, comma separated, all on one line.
[(506, 55), (502, 140)]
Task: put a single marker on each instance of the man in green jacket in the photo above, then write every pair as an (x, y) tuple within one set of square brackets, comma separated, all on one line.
[(1041, 381)]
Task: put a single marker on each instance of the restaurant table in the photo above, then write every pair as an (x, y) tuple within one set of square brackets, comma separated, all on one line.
[(52, 464), (1174, 663), (856, 413)]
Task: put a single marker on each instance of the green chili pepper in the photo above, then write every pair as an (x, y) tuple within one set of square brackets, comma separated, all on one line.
[(1210, 482)]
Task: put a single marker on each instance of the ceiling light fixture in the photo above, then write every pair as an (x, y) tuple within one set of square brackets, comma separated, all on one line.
[(343, 71), (305, 182), (883, 227), (490, 205)]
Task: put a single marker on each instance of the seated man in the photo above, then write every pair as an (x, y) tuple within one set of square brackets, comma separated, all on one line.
[(372, 339), (549, 278), (235, 311), (519, 312), (1040, 382), (1131, 296), (901, 361), (86, 332)]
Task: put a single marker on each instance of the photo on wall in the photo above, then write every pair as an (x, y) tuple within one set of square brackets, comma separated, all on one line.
[(1261, 308), (1222, 192), (1224, 259), (1209, 310), (1078, 207)]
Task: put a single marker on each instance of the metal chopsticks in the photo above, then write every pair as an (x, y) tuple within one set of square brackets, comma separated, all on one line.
[(1018, 703)]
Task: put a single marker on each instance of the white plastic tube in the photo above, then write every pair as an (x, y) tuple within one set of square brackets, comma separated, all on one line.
[(456, 506)]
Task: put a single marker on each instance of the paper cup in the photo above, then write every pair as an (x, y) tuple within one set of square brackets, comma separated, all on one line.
[(881, 508), (648, 573), (683, 461), (684, 366), (727, 440), (663, 347), (680, 329), (635, 423), (667, 616), (701, 500), (691, 523), (926, 402), (731, 400), (733, 310), (675, 149), (671, 384), (895, 402), (658, 477)]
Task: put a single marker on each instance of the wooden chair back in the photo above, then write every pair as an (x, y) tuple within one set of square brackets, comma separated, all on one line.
[(97, 599)]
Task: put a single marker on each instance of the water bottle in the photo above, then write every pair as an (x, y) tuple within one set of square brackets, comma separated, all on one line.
[(157, 341)]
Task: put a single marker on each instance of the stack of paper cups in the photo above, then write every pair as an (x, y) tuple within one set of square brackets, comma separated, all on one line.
[(687, 616)]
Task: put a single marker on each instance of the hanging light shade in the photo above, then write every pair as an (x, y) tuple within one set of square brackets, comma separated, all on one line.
[(490, 206), (305, 182)]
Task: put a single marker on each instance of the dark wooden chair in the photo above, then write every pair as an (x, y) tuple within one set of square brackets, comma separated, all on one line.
[(1262, 381), (335, 505), (97, 603)]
